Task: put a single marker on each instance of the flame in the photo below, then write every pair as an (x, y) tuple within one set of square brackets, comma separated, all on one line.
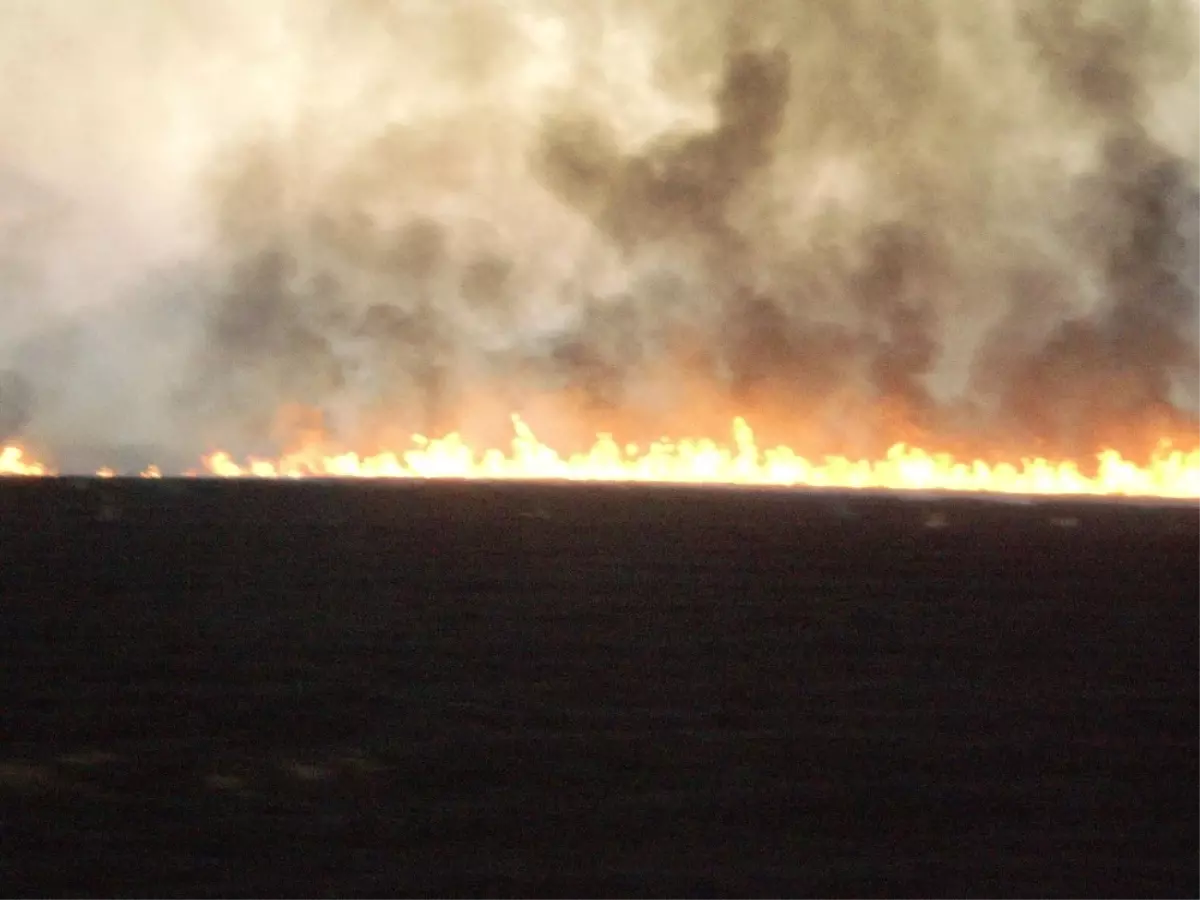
[(1170, 473), (14, 462)]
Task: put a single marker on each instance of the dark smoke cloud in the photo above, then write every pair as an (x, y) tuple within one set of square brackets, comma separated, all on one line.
[(1103, 373), (975, 224)]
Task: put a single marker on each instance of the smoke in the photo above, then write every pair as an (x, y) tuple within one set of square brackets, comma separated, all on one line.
[(966, 224)]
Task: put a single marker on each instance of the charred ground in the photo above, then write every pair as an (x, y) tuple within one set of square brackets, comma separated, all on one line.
[(341, 689)]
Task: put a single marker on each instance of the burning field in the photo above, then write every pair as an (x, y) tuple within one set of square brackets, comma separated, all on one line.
[(1168, 474), (944, 245), (430, 329)]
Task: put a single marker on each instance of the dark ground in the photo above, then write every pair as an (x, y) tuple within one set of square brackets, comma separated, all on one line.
[(304, 689)]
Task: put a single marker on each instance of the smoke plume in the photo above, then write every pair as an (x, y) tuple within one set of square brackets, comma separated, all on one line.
[(970, 225)]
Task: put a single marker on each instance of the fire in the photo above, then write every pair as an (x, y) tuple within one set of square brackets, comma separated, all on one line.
[(14, 462), (1170, 473)]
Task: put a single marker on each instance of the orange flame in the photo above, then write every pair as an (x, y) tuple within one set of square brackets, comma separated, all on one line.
[(1170, 473), (14, 462)]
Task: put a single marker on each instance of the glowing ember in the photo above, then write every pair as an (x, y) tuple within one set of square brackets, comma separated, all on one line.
[(1170, 473)]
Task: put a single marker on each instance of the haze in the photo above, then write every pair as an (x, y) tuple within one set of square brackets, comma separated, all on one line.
[(227, 223)]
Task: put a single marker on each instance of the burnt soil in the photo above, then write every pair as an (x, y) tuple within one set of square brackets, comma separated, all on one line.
[(318, 689)]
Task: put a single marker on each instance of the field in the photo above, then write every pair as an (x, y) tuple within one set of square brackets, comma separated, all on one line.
[(341, 689)]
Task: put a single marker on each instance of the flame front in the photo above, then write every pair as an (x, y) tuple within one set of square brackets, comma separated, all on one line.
[(1170, 473), (13, 461)]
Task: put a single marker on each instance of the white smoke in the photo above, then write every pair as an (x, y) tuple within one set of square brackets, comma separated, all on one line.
[(150, 152)]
